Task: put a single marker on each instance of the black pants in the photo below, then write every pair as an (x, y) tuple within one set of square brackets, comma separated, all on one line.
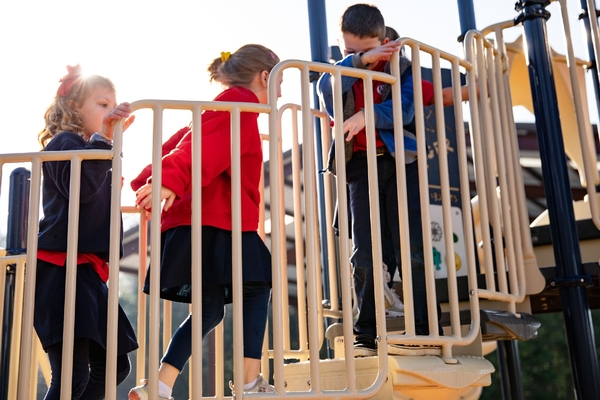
[(362, 256), (89, 370)]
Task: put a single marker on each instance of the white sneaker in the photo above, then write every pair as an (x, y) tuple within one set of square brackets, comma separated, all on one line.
[(261, 386), (141, 392), (393, 305), (414, 350)]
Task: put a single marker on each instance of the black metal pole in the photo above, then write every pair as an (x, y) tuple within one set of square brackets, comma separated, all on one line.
[(466, 15), (319, 50), (569, 270), (585, 17), (509, 366), (16, 243)]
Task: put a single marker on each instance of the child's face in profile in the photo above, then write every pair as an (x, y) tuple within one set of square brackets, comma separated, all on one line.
[(352, 44), (100, 102)]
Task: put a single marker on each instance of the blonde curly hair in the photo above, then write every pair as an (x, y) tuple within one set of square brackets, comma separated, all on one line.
[(63, 114)]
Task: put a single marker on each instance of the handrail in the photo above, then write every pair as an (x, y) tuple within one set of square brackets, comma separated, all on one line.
[(491, 158), (583, 125), (495, 159)]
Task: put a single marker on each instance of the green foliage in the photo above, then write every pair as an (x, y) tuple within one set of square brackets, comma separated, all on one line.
[(545, 363)]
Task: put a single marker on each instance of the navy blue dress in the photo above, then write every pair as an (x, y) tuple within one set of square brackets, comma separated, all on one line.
[(94, 232), (176, 261)]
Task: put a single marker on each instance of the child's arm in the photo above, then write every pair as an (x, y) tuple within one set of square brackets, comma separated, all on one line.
[(448, 95), (362, 60), (325, 87), (384, 118), (146, 175), (216, 150), (369, 59)]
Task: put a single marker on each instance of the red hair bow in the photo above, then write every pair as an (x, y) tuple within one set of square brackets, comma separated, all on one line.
[(66, 82)]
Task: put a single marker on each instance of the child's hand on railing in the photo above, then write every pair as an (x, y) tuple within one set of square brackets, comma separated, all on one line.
[(144, 197)]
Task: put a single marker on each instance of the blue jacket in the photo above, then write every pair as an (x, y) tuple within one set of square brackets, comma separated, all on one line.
[(384, 122)]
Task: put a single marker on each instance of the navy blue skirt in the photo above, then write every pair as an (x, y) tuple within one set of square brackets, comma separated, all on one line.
[(176, 261), (91, 308)]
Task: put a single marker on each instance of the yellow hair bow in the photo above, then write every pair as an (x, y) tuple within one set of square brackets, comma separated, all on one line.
[(225, 56)]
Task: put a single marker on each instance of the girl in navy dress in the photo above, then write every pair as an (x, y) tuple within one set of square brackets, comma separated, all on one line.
[(81, 117)]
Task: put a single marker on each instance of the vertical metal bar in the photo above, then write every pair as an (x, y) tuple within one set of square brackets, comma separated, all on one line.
[(236, 249), (276, 236), (300, 280), (18, 208), (466, 15), (310, 246), (113, 277), (155, 250), (586, 6), (29, 292), (142, 333), (16, 243), (345, 278), (66, 380), (510, 378), (196, 306), (317, 22), (576, 311)]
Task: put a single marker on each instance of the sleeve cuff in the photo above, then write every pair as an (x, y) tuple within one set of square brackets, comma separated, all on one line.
[(96, 137), (357, 61)]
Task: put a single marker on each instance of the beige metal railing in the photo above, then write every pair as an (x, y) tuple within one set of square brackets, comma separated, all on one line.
[(24, 343), (497, 170), (158, 106), (494, 150), (576, 127), (586, 138), (457, 337)]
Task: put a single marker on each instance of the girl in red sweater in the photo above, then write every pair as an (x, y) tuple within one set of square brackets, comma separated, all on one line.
[(245, 74)]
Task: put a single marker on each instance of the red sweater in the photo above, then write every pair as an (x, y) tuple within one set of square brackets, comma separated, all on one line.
[(216, 168)]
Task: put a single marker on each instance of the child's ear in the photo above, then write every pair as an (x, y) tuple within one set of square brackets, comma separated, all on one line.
[(264, 78), (385, 41)]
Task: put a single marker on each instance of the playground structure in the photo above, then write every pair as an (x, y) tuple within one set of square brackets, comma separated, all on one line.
[(486, 266)]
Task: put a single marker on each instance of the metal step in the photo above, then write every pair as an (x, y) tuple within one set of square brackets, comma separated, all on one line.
[(495, 325)]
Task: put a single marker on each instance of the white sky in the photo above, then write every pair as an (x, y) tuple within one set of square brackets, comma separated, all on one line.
[(152, 49)]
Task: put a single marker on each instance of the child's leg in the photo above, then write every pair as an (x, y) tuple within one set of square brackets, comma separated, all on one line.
[(256, 304), (388, 251), (416, 246), (80, 369), (362, 257), (97, 364), (180, 347)]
